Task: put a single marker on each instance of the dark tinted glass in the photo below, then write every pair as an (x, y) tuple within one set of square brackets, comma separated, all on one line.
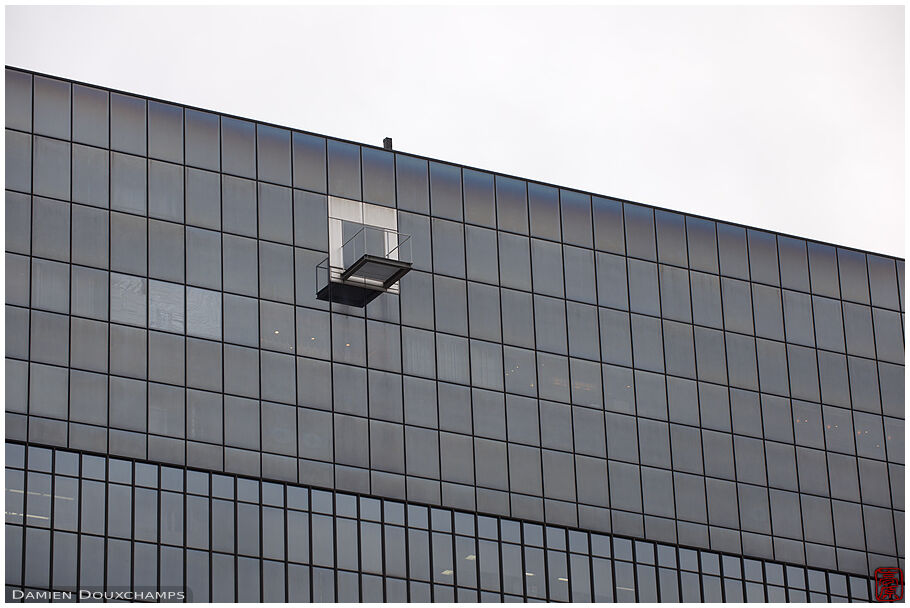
[(731, 245), (413, 184), (165, 131), (702, 239), (823, 270), (514, 261), (52, 107), (883, 282), (90, 116), (274, 154), (512, 204), (608, 225), (202, 140), (482, 254), (378, 176), (445, 191), (576, 218), (794, 265), (128, 124), (543, 205), (309, 162), (448, 248), (546, 263), (640, 241), (671, 238), (479, 198), (854, 283), (763, 257), (344, 169), (18, 100), (238, 147)]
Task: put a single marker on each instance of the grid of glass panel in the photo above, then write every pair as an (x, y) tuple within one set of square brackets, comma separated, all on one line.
[(553, 356), (85, 521)]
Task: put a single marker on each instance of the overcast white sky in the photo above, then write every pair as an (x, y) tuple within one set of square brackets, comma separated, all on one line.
[(790, 119)]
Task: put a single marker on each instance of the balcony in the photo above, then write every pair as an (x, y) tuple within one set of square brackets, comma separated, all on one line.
[(369, 263)]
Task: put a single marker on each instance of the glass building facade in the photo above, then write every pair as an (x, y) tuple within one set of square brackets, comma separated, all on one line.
[(570, 398)]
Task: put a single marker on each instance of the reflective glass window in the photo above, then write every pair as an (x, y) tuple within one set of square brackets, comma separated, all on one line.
[(275, 214), (413, 183), (18, 161), (671, 238), (608, 226), (344, 169), (128, 124), (640, 241), (883, 282), (794, 264), (203, 199), (731, 245), (378, 176), (238, 147), (91, 176), (273, 154), (546, 264), (514, 261), (18, 100), (479, 198), (445, 191), (309, 169), (165, 131), (482, 255), (448, 248), (512, 204), (543, 206), (763, 261), (854, 282), (612, 284), (823, 270), (51, 169)]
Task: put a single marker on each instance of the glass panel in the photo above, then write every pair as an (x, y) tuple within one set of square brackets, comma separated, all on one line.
[(445, 191), (309, 162), (608, 226), (378, 176), (479, 198), (512, 204), (344, 169), (274, 154), (543, 205), (90, 116), (640, 229), (238, 149), (128, 125), (165, 131), (413, 186)]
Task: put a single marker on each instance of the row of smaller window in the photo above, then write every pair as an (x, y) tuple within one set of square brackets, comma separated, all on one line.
[(323, 540), (535, 477)]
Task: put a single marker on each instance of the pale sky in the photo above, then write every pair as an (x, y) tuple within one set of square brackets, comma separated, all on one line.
[(789, 119)]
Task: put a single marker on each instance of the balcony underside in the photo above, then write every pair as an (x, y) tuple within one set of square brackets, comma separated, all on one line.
[(363, 281)]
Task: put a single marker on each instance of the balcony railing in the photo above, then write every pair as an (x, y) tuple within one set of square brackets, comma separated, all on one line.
[(370, 262)]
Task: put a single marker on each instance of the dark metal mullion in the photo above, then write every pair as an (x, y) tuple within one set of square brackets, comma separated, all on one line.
[(261, 557), (287, 568), (689, 270)]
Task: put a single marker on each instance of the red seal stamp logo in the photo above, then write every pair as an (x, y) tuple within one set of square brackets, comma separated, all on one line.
[(889, 585)]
